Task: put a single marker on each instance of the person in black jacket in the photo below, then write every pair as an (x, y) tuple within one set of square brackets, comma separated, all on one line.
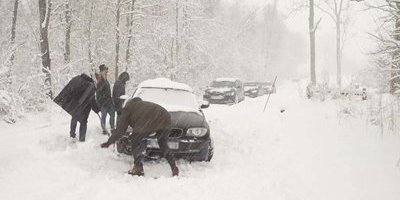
[(145, 118), (118, 91), (78, 98), (104, 99)]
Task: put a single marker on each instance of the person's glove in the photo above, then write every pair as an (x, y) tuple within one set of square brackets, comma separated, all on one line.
[(105, 145)]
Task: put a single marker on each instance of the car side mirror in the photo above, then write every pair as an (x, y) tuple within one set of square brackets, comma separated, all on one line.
[(205, 104), (125, 97)]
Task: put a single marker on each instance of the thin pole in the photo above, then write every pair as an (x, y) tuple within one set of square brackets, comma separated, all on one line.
[(273, 85)]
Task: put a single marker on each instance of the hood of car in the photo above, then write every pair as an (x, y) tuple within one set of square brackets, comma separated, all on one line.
[(185, 120)]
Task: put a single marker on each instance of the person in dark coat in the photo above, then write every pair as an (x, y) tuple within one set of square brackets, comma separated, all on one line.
[(78, 98), (145, 118), (118, 91), (104, 99)]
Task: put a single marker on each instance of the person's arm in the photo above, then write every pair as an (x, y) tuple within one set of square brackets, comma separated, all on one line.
[(116, 95), (94, 105), (122, 125), (119, 91)]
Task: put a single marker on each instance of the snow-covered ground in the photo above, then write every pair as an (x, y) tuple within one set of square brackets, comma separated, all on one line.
[(307, 152)]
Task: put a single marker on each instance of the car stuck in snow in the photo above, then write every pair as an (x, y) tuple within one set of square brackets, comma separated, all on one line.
[(190, 133)]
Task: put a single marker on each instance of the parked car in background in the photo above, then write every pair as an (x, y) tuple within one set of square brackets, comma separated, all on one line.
[(190, 133), (267, 88), (225, 90), (352, 93), (252, 89), (322, 91)]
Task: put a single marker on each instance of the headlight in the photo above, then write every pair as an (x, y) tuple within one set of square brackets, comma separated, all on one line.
[(230, 93), (196, 132)]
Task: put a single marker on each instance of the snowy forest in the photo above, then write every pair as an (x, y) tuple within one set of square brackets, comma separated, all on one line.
[(259, 99), (188, 41)]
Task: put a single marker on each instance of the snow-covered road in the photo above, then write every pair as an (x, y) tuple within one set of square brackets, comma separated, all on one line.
[(307, 152)]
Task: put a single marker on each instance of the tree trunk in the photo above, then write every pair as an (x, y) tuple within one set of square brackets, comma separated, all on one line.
[(12, 43), (186, 32), (312, 43), (177, 33), (117, 36), (395, 79), (128, 46), (44, 13), (89, 32), (338, 53), (68, 21)]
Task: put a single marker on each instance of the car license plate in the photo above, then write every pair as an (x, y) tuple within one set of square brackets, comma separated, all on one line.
[(153, 143), (217, 97)]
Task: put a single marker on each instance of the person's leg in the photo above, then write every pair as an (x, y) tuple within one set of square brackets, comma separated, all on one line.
[(111, 111), (73, 128), (118, 116), (82, 131), (103, 117), (138, 147), (166, 152)]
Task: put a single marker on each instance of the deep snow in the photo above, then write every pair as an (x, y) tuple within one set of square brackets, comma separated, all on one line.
[(307, 152)]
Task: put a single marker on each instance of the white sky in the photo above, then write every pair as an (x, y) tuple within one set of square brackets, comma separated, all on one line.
[(356, 47)]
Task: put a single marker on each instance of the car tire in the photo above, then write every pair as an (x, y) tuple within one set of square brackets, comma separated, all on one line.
[(210, 152), (205, 155), (122, 146)]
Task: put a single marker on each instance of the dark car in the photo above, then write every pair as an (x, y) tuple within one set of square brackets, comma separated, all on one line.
[(267, 88), (190, 134), (225, 90), (252, 89)]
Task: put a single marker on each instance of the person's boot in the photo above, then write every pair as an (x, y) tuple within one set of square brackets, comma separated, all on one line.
[(136, 171), (72, 140), (175, 171)]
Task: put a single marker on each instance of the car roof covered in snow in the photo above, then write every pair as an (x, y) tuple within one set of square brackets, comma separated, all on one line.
[(226, 79), (164, 83)]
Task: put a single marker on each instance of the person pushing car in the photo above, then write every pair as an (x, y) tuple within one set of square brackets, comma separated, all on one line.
[(145, 118)]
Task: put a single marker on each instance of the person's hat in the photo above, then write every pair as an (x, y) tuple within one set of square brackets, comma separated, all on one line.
[(103, 67)]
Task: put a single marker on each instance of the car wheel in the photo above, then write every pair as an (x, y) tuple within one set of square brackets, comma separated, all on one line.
[(123, 146), (210, 151), (205, 155)]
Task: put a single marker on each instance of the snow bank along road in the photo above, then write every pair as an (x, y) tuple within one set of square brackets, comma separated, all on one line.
[(307, 152)]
